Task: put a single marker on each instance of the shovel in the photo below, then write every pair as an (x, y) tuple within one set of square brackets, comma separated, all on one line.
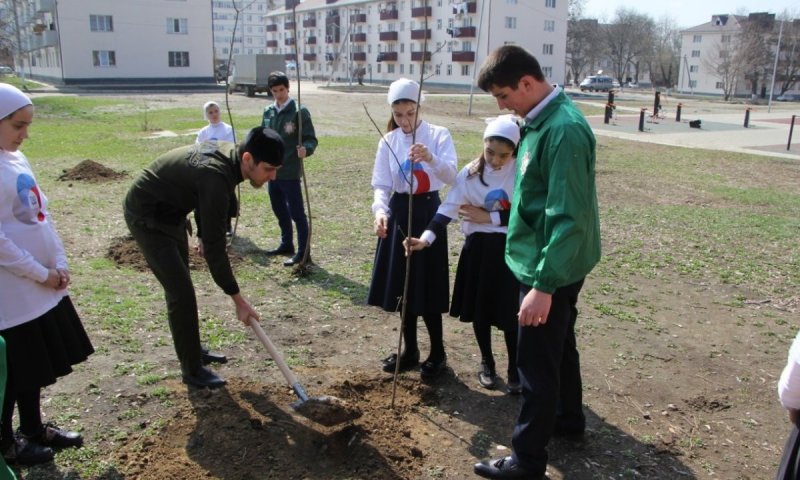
[(325, 410)]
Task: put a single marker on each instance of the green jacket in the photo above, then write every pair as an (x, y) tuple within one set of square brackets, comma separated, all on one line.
[(554, 228), (198, 178), (285, 123)]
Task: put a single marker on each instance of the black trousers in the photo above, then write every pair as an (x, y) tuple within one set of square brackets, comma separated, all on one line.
[(166, 249), (550, 374)]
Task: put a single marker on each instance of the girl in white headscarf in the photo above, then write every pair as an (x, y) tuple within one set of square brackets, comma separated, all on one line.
[(42, 330), (218, 131)]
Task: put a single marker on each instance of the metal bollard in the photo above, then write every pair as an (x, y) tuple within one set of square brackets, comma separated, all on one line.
[(641, 119), (657, 103), (607, 115), (747, 117), (791, 130), (678, 115), (611, 97)]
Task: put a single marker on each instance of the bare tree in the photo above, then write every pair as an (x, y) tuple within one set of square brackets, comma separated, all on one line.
[(664, 63), (584, 45), (629, 38), (723, 59), (756, 49), (789, 58)]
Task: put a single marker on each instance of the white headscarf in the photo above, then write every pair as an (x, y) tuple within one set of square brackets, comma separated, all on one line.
[(404, 89), (11, 100), (208, 104)]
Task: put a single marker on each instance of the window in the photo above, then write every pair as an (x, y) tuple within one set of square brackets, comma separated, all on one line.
[(694, 68), (511, 2), (104, 58), (549, 25), (101, 23), (547, 49), (438, 68), (178, 59), (692, 83), (379, 68), (720, 85), (449, 69), (511, 22), (726, 39), (402, 68), (177, 25), (465, 70), (695, 53), (390, 68), (697, 38), (411, 69), (550, 3)]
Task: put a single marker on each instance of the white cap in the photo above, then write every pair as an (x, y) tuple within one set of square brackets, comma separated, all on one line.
[(503, 126), (404, 89), (11, 100)]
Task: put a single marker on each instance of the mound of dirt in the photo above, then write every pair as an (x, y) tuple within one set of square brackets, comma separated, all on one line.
[(91, 171), (246, 428), (125, 252)]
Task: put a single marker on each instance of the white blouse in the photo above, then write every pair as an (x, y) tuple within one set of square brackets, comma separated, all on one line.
[(789, 384), (391, 174)]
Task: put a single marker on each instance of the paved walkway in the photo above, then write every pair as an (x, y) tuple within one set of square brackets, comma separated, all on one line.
[(767, 133)]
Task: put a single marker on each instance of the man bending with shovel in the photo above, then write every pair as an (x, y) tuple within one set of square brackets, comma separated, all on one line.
[(198, 178)]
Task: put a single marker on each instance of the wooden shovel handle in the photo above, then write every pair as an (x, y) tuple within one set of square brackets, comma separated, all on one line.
[(273, 352)]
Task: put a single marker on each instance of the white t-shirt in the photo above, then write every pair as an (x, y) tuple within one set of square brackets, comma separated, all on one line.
[(789, 384), (29, 245), (388, 177), (218, 132)]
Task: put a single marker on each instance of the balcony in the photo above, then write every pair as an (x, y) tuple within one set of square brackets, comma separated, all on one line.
[(417, 12), (472, 7), (310, 23), (417, 56), (310, 57), (392, 14), (288, 25), (272, 43), (311, 41), (358, 18), (358, 37), (358, 56), (463, 56), (45, 6), (462, 32), (331, 38), (272, 27), (288, 41), (328, 2), (387, 57), (388, 36), (420, 34), (289, 56)]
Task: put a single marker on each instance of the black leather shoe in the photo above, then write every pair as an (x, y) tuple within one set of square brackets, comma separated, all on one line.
[(407, 361), (487, 376), (282, 250), (203, 378), (211, 357), (23, 452), (295, 260), (432, 368), (52, 436), (504, 468), (569, 434)]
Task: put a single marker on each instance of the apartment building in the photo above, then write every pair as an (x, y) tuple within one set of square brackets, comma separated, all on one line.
[(250, 27), (116, 42), (709, 56), (388, 39)]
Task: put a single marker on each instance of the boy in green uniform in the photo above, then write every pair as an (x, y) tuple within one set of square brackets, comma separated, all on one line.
[(284, 191), (553, 243), (199, 177)]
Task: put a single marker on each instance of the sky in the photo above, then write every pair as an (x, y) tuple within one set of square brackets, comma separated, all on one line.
[(688, 13)]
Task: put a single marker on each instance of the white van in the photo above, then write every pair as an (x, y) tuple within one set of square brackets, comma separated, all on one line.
[(597, 83)]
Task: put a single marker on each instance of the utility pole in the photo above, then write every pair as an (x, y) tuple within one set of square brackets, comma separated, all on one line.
[(775, 68)]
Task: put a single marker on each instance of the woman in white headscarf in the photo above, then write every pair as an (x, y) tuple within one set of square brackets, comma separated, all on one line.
[(43, 333), (419, 168)]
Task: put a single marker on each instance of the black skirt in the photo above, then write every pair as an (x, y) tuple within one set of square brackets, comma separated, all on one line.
[(45, 348), (429, 281), (485, 289), (790, 461)]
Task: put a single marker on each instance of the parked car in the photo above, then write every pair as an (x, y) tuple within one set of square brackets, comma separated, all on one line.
[(788, 97), (6, 70), (597, 83)]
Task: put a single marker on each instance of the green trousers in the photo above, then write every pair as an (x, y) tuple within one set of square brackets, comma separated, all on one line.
[(166, 249)]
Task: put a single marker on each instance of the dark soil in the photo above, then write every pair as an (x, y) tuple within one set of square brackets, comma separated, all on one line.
[(91, 171), (125, 252)]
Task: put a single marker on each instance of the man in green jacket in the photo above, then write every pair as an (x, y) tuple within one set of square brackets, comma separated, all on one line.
[(284, 192), (553, 243), (199, 177)]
